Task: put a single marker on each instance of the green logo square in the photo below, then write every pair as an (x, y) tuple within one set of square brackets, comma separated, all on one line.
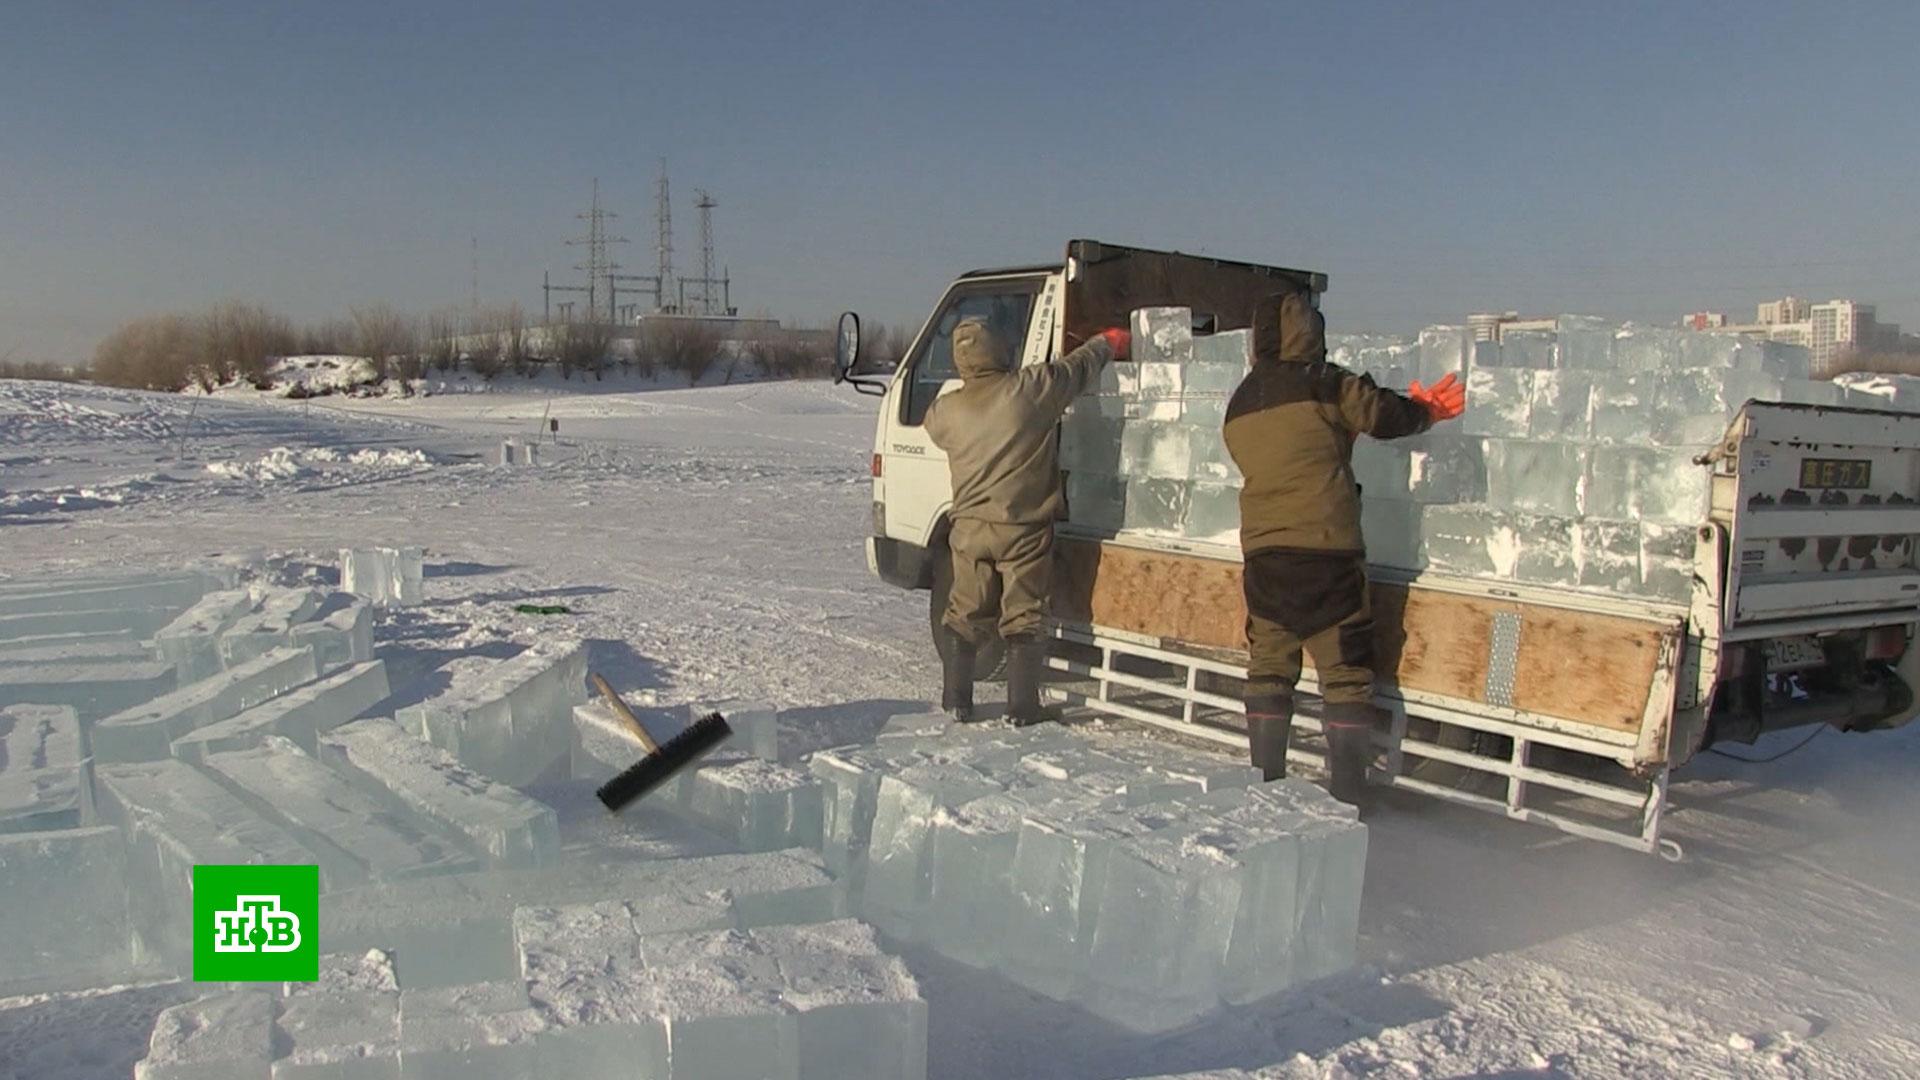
[(256, 923)]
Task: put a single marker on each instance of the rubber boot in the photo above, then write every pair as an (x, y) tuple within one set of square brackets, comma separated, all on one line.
[(1026, 661), (956, 680), (1349, 731), (1269, 726)]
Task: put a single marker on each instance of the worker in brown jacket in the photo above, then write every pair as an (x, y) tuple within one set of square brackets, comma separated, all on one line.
[(998, 431), (1291, 427)]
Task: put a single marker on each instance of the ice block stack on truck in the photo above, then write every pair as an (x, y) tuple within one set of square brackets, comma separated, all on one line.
[(1637, 542)]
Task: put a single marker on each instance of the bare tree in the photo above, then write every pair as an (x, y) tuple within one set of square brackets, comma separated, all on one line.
[(240, 340), (442, 346), (329, 337), (389, 339), (687, 346), (156, 352), (582, 346), (1884, 363)]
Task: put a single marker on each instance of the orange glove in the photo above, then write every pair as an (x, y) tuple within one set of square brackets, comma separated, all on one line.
[(1120, 340), (1443, 400)]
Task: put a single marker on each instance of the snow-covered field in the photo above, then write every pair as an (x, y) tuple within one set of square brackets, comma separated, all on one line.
[(709, 543)]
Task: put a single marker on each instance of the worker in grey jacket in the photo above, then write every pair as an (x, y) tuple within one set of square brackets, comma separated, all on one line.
[(998, 431)]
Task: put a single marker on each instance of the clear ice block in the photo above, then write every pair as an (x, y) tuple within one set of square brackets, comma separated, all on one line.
[(1157, 450), (760, 805), (1213, 512), (1698, 404), (219, 1037), (92, 690), (1446, 468), (755, 724), (860, 1015), (173, 818), (1663, 486), (1444, 350), (1209, 387), (353, 837), (45, 782), (1096, 501), (1155, 505), (480, 1031), (1225, 348), (898, 863), (1392, 531), (300, 715), (1536, 478), (1499, 402), (1090, 442), (1163, 335), (1382, 469), (166, 591), (1609, 555), (1586, 344), (191, 642), (147, 732), (1548, 551), (1562, 408), (339, 637), (1536, 349), (1646, 348), (141, 622), (387, 577), (1471, 541), (64, 923), (508, 828), (340, 1035), (1813, 392), (1628, 409), (269, 626), (512, 720)]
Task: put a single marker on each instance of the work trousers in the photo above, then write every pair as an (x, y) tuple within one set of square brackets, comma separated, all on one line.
[(1020, 558)]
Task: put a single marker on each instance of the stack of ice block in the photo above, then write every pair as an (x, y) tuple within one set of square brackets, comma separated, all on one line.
[(1572, 467), (46, 782), (388, 577), (1144, 881), (509, 719)]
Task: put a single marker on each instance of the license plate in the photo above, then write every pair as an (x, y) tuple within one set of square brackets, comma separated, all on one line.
[(1818, 472), (1794, 654)]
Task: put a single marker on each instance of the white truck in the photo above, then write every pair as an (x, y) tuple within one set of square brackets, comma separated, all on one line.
[(1560, 707)]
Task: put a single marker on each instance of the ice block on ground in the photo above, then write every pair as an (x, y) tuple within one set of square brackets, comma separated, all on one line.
[(1562, 408), (1096, 501), (510, 721), (899, 852), (1213, 512), (1382, 469), (1536, 478), (760, 805), (219, 1037), (1663, 486), (338, 1035), (299, 715), (860, 1013), (508, 828), (339, 637), (147, 732), (1499, 402), (142, 622), (64, 922), (450, 930), (74, 648), (353, 837), (387, 577), (1163, 335), (92, 690), (174, 818), (175, 591), (1057, 867), (755, 724), (914, 726), (45, 782), (350, 972), (1392, 532), (191, 642), (1446, 468), (480, 1031), (268, 627), (1155, 505)]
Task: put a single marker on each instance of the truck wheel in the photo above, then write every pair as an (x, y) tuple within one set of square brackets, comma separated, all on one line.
[(990, 662)]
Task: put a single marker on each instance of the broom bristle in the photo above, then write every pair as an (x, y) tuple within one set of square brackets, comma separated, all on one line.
[(654, 769)]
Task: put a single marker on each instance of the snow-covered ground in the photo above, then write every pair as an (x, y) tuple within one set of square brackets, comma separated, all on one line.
[(709, 543)]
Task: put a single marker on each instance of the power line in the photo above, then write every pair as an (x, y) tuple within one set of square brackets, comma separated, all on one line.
[(599, 264)]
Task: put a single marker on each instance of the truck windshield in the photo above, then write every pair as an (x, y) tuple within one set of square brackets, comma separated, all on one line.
[(1004, 306)]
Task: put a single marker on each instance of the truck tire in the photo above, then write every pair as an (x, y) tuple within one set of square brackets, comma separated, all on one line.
[(990, 662)]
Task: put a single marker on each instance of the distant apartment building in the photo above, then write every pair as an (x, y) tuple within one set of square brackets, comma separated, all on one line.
[(1790, 309), (1704, 320), (1830, 331)]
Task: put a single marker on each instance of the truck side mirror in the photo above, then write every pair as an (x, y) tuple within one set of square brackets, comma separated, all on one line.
[(846, 347)]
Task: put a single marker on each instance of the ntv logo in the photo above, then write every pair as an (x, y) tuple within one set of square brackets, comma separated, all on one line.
[(256, 924)]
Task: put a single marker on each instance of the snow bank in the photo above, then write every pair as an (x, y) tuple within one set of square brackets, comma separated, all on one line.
[(284, 464)]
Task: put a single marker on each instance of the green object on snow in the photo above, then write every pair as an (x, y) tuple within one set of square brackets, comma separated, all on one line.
[(543, 609)]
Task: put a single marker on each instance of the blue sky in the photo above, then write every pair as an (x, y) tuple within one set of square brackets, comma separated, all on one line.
[(1637, 160)]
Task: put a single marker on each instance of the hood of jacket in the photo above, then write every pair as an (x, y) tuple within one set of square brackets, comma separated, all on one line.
[(1288, 327), (977, 350)]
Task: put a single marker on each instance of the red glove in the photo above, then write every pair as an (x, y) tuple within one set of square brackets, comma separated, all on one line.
[(1120, 340), (1443, 400)]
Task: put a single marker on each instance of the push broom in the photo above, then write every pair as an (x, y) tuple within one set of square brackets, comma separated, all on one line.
[(663, 759)]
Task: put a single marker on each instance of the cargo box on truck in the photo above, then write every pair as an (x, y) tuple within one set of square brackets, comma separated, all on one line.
[(1790, 600)]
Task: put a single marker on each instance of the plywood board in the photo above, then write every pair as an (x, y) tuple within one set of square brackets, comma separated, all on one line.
[(1578, 666)]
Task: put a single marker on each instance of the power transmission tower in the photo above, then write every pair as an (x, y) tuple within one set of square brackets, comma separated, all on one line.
[(663, 221), (706, 281), (475, 299), (599, 264)]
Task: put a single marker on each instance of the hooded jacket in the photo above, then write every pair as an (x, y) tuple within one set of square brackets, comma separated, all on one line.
[(1290, 428), (998, 428)]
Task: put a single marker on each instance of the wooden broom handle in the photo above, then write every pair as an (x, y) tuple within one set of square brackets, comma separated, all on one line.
[(625, 714)]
